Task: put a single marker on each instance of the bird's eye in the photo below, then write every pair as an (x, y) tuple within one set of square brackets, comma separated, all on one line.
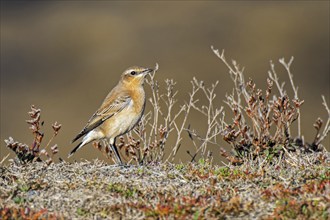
[(133, 73)]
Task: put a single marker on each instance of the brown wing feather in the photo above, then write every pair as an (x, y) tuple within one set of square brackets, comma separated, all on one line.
[(108, 109)]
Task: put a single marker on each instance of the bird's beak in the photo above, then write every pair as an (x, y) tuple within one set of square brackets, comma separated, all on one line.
[(147, 71)]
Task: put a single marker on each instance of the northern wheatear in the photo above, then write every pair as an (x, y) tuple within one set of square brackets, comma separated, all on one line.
[(120, 111)]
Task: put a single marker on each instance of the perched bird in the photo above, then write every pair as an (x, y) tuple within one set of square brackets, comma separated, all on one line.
[(120, 111)]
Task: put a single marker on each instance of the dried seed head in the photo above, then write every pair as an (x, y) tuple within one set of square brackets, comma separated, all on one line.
[(34, 113), (297, 102), (54, 149), (318, 124), (56, 127)]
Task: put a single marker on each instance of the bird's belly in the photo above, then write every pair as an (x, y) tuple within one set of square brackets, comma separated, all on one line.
[(121, 123)]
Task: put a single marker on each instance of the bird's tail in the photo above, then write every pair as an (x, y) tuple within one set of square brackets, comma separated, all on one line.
[(75, 149)]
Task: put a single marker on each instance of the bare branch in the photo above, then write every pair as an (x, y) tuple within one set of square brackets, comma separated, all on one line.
[(287, 66)]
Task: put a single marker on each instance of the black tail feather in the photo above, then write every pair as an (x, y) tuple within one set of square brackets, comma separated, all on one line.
[(78, 136), (88, 129), (75, 149)]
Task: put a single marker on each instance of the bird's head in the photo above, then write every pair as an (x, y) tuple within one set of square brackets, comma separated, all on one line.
[(135, 75)]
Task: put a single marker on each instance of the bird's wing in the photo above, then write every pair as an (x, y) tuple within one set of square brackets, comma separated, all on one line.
[(108, 109)]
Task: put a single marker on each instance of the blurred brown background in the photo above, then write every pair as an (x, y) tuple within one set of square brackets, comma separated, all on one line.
[(65, 56)]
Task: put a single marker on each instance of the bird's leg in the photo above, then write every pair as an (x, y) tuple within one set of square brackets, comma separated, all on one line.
[(115, 150)]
